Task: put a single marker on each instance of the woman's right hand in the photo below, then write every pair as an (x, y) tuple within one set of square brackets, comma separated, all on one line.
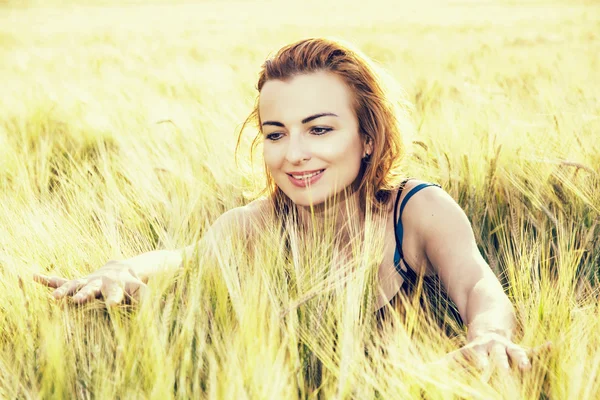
[(116, 282)]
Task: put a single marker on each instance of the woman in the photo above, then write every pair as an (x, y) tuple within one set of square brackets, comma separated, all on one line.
[(328, 130)]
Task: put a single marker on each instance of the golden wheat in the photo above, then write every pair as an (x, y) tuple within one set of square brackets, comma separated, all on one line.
[(117, 132)]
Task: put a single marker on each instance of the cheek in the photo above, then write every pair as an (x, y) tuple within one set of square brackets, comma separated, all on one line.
[(271, 157), (346, 152), (352, 156)]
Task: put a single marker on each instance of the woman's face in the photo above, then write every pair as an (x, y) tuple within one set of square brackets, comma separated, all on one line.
[(312, 145)]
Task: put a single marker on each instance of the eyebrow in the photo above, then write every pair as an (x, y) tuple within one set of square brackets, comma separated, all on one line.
[(304, 121)]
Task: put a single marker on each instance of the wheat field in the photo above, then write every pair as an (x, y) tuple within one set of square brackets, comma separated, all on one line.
[(118, 125)]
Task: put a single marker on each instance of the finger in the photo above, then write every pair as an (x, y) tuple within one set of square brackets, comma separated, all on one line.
[(518, 357), (68, 288), (136, 290), (544, 348), (50, 281), (455, 355), (479, 357), (112, 293), (467, 352), (498, 355), (474, 354), (88, 292)]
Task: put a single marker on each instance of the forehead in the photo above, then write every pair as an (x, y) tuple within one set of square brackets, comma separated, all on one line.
[(304, 95)]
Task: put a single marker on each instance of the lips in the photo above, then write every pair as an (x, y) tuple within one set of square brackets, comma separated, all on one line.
[(305, 174), (305, 178)]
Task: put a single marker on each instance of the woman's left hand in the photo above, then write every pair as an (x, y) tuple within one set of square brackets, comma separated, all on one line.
[(496, 349)]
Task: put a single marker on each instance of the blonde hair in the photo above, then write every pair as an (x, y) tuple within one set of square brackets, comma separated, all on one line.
[(382, 121)]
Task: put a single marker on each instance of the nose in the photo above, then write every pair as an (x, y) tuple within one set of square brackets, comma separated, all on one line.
[(297, 150)]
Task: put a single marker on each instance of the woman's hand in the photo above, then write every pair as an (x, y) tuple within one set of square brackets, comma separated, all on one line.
[(497, 349), (116, 282)]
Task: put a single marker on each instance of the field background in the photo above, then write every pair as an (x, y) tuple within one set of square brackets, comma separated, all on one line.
[(117, 131)]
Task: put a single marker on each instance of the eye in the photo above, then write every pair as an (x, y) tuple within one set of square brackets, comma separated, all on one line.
[(319, 130), (274, 136)]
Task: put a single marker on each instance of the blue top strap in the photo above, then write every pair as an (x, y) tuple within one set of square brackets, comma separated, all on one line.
[(431, 286), (399, 231)]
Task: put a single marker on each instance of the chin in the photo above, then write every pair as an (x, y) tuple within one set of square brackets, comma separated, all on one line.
[(305, 200), (318, 198)]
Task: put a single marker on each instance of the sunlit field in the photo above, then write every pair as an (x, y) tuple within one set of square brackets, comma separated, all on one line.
[(118, 127)]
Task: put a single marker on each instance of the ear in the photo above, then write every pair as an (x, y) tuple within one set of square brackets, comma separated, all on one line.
[(367, 144)]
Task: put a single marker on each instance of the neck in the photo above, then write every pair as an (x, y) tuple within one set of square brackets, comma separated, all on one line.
[(343, 214)]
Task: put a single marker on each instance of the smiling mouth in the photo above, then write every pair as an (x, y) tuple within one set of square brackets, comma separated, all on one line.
[(306, 176)]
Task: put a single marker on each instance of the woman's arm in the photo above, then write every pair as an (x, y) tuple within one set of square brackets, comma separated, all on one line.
[(237, 221), (451, 248), (149, 264), (449, 243), (118, 279)]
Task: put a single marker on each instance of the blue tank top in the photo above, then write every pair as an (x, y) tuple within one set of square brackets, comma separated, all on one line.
[(433, 296)]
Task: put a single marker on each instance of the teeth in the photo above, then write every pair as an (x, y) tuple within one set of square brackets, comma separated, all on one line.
[(307, 176)]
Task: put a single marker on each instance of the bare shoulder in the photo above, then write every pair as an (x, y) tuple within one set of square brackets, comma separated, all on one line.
[(246, 221), (249, 217), (258, 208), (256, 213), (407, 188), (431, 205)]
